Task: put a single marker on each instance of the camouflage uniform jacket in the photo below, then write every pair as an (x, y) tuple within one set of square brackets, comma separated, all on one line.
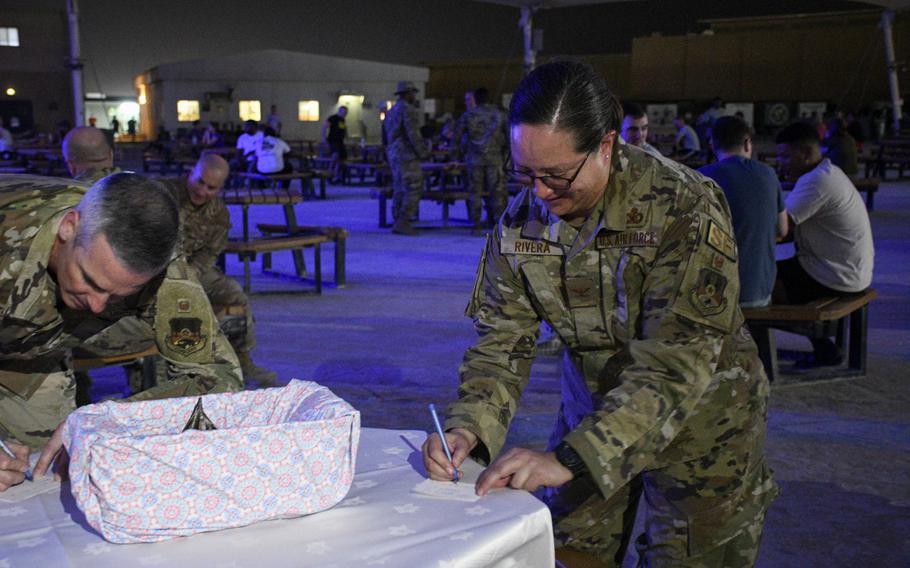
[(482, 135), (402, 129), (644, 295), (204, 229), (37, 331), (90, 176)]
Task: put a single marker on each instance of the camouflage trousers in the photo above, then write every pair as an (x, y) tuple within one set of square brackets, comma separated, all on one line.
[(703, 498), (486, 183), (224, 290), (32, 421), (407, 187)]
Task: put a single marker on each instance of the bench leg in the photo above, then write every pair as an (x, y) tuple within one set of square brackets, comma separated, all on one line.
[(870, 200), (767, 349), (291, 221), (317, 253), (859, 324), (149, 380), (341, 278), (322, 184), (246, 273), (266, 261), (445, 213), (383, 212)]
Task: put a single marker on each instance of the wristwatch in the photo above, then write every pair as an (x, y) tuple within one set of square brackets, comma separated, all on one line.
[(570, 459)]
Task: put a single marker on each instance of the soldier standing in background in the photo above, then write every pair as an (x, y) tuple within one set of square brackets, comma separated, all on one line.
[(405, 149), (76, 262), (205, 223), (481, 135), (631, 260)]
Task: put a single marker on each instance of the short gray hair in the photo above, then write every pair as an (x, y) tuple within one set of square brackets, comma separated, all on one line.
[(138, 216)]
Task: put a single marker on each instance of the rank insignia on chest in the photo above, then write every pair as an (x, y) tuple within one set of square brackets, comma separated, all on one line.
[(183, 306), (582, 292), (634, 217), (186, 336), (707, 296), (627, 239), (528, 246), (721, 241)]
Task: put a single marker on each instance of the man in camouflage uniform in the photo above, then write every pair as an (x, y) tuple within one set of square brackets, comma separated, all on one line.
[(482, 137), (635, 267), (205, 223), (405, 148), (88, 155), (74, 264)]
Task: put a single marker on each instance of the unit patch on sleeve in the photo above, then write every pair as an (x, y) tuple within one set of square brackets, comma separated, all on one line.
[(707, 296), (186, 335)]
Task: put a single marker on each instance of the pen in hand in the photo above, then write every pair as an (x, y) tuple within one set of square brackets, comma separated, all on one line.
[(445, 445), (28, 472)]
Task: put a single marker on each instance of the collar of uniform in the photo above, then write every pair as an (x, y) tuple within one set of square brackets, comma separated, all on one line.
[(38, 256)]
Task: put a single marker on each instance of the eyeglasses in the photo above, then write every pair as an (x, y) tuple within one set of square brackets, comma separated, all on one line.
[(556, 183)]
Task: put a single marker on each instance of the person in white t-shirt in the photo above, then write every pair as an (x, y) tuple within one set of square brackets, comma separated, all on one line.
[(270, 154), (686, 143), (247, 144), (829, 222)]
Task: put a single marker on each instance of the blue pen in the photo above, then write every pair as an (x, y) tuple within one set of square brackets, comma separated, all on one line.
[(28, 472), (442, 436)]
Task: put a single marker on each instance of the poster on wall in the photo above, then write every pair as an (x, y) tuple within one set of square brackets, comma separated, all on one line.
[(661, 114), (776, 114), (806, 110), (746, 109)]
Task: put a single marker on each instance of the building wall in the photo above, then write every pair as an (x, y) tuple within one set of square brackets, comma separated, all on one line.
[(36, 69), (163, 94)]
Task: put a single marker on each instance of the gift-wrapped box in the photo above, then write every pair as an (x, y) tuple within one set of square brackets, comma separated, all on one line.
[(275, 453)]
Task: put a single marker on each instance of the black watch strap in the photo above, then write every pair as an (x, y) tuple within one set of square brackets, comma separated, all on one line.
[(570, 459)]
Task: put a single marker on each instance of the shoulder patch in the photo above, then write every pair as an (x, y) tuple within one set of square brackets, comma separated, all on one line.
[(185, 336), (707, 295), (720, 241)]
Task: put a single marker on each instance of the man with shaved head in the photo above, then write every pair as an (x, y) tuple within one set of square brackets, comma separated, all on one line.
[(88, 155), (205, 223)]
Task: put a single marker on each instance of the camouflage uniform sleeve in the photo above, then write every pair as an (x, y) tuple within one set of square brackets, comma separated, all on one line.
[(458, 136), (199, 358), (688, 300), (496, 369), (207, 252), (412, 130)]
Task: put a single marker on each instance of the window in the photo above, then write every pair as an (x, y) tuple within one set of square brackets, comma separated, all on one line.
[(187, 111), (9, 37), (142, 98), (308, 111), (250, 110)]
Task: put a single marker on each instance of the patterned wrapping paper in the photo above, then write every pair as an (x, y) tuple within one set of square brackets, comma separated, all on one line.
[(277, 453)]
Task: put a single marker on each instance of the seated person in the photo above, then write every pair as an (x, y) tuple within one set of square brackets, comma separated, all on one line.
[(205, 223), (270, 153), (76, 263), (635, 127), (211, 138), (839, 147), (246, 146), (756, 204), (686, 143), (834, 250), (87, 154)]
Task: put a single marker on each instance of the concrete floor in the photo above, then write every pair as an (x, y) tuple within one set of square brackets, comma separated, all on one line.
[(391, 342)]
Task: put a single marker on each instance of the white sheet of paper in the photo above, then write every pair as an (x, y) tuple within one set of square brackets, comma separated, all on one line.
[(28, 489), (448, 490)]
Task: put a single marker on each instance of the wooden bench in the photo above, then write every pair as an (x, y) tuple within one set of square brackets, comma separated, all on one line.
[(247, 250), (892, 155), (849, 309), (337, 235), (445, 197)]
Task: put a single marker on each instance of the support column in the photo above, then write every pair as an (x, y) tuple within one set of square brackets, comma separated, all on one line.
[(527, 29), (74, 63), (896, 102)]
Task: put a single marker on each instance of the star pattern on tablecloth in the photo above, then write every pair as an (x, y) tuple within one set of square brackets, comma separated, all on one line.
[(96, 548), (392, 451), (406, 508), (353, 501), (401, 530), (476, 510), (462, 536), (153, 560), (30, 542), (318, 547), (13, 512), (365, 484)]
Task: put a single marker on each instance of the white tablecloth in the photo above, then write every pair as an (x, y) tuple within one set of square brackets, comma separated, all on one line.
[(380, 523)]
